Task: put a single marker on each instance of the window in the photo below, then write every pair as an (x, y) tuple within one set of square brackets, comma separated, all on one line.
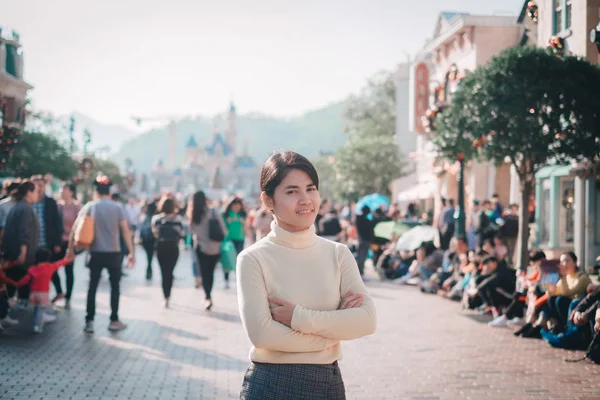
[(568, 12), (544, 204), (558, 15), (567, 213), (11, 60), (597, 211)]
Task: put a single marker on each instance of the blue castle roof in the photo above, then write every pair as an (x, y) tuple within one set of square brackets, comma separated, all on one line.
[(245, 162), (191, 142), (218, 140)]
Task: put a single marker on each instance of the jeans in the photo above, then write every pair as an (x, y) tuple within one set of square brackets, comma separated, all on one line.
[(68, 273), (167, 254), (3, 306), (559, 308), (207, 265), (112, 262), (363, 252)]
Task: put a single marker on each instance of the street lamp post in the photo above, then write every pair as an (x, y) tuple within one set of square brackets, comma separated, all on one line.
[(459, 215)]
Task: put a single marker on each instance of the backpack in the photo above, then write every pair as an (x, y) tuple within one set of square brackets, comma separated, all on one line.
[(215, 231), (146, 230), (168, 230)]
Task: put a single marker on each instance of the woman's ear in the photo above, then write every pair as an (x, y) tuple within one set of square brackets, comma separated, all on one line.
[(267, 201)]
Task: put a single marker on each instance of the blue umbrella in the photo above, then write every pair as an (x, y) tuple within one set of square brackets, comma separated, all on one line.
[(373, 201)]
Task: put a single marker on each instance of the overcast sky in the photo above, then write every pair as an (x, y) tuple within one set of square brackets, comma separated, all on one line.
[(110, 59)]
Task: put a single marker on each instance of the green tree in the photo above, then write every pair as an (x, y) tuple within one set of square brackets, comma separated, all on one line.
[(368, 164), (328, 184), (373, 110), (527, 107), (38, 153)]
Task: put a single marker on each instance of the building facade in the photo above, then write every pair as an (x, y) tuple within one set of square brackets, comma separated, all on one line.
[(568, 197), (216, 166), (13, 88), (461, 42)]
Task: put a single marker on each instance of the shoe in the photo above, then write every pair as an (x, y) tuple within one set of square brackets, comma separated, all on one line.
[(499, 322), (58, 297), (515, 322), (208, 304), (166, 303), (198, 282), (148, 274), (525, 328), (116, 326), (534, 333), (22, 305), (48, 318), (68, 305), (226, 284), (8, 321), (89, 327), (38, 329), (124, 274)]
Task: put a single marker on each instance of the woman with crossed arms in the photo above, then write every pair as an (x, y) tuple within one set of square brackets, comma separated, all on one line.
[(299, 294)]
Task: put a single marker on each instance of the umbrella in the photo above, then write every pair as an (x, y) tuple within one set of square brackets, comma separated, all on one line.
[(387, 229), (417, 235), (373, 201)]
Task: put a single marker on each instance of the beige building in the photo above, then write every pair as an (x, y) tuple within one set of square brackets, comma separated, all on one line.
[(13, 89), (461, 42)]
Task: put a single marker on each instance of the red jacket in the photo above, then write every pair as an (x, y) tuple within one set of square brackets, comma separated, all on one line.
[(40, 276)]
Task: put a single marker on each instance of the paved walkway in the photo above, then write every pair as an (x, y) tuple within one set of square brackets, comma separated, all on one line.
[(425, 348)]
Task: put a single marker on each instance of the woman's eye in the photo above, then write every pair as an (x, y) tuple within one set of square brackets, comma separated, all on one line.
[(292, 192)]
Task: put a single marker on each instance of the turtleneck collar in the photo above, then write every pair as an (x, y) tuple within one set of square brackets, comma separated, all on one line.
[(294, 240)]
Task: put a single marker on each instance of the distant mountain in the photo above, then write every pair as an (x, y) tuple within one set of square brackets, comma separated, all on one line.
[(107, 137), (314, 132)]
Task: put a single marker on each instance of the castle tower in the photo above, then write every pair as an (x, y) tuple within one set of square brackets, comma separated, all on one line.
[(192, 155), (231, 129)]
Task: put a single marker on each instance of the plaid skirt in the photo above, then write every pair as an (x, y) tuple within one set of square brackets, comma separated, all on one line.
[(293, 382)]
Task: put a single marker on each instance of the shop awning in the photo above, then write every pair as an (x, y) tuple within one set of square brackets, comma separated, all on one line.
[(554, 170), (420, 191)]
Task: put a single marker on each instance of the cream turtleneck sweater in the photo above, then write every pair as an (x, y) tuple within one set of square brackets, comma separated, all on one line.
[(313, 273)]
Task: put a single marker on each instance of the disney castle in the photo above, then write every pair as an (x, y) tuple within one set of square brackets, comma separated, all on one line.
[(216, 167)]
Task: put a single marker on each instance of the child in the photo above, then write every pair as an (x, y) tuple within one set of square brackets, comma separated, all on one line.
[(39, 277)]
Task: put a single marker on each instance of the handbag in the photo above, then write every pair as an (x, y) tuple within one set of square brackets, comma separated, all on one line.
[(84, 230), (228, 256), (215, 231)]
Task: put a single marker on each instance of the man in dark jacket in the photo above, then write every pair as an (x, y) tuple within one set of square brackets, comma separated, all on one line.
[(366, 234), (496, 285), (49, 218)]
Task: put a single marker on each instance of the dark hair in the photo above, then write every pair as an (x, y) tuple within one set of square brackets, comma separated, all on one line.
[(11, 187), (72, 187), (24, 188), (571, 255), (197, 208), (489, 259), (115, 196), (103, 184), (365, 209), (537, 255), (232, 201), (495, 195), (167, 205), (462, 239), (42, 255), (429, 248), (487, 202), (451, 202), (279, 165)]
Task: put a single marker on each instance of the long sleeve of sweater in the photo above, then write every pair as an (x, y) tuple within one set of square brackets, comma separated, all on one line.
[(262, 330), (572, 287), (340, 324)]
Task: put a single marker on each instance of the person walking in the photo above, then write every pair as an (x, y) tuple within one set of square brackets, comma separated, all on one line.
[(205, 224), (21, 238), (235, 218), (7, 203), (299, 294), (147, 237), (50, 221), (110, 222), (366, 234), (168, 231), (69, 209)]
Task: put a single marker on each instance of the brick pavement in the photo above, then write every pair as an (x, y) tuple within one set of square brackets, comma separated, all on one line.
[(425, 348)]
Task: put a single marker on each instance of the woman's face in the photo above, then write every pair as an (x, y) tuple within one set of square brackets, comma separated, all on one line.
[(66, 193), (236, 207), (295, 202), (31, 197), (567, 265)]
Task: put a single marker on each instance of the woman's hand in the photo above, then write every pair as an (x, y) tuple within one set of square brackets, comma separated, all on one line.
[(352, 300), (597, 326), (283, 312)]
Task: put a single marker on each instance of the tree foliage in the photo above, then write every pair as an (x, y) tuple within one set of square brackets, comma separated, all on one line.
[(526, 106), (368, 164), (373, 110), (328, 183), (39, 153)]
